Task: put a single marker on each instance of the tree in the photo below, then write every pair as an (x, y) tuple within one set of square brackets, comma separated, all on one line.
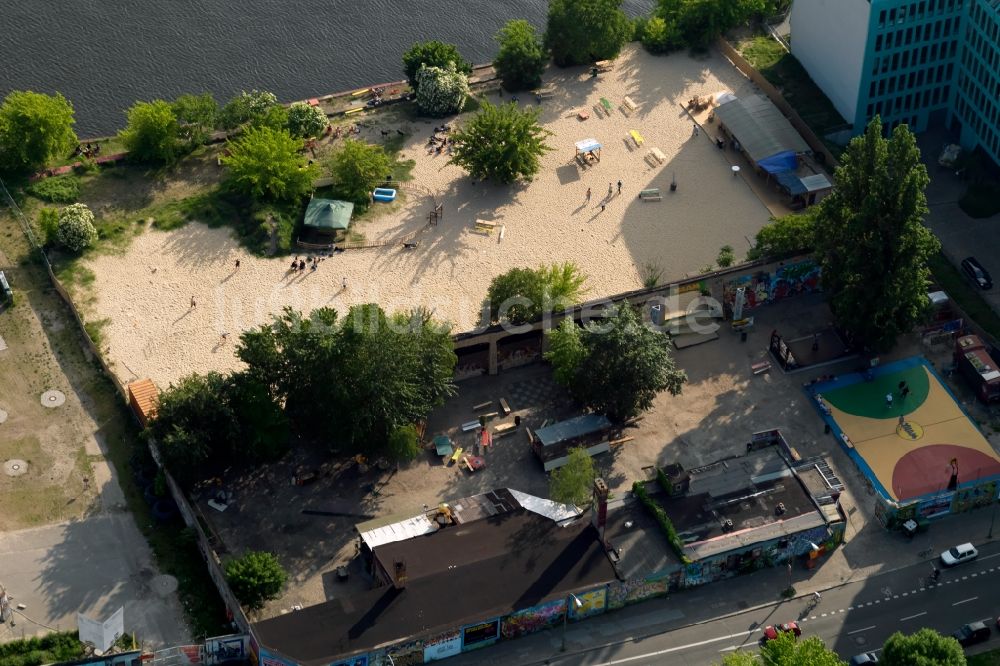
[(522, 57), (872, 243), (356, 168), (573, 482), (255, 578), (926, 647), (403, 444), (267, 164), (565, 352), (196, 115), (75, 230), (432, 54), (441, 91), (790, 234), (584, 31), (34, 130), (624, 364), (786, 650), (503, 142), (697, 23), (152, 133), (657, 36), (306, 121), (726, 256), (247, 107), (522, 295)]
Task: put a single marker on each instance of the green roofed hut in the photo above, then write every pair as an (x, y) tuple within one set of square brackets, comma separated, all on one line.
[(328, 216)]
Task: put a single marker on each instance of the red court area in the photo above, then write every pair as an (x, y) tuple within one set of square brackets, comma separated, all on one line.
[(924, 470)]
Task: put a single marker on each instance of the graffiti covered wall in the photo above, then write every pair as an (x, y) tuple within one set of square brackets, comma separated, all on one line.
[(638, 589), (533, 619), (763, 288)]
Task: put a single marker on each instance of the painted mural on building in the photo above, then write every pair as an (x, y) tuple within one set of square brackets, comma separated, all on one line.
[(763, 288), (637, 589), (475, 636), (593, 603), (533, 619), (443, 646)]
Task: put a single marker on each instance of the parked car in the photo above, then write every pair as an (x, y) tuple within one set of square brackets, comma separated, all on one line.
[(865, 658), (771, 631), (965, 552), (972, 633), (975, 272)]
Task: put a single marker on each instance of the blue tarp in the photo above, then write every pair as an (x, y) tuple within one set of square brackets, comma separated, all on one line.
[(779, 162), (791, 182)]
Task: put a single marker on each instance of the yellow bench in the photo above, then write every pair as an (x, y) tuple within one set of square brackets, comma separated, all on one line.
[(636, 137)]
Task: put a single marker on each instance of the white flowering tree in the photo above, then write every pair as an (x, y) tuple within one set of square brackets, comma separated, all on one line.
[(441, 90), (75, 230), (306, 121)]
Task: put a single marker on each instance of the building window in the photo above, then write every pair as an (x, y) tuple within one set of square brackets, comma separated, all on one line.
[(878, 43), (881, 19)]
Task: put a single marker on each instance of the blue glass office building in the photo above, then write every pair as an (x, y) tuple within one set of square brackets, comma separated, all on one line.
[(917, 62)]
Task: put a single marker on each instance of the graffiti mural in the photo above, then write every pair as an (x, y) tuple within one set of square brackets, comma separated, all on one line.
[(445, 645), (638, 589), (475, 636), (533, 619), (593, 603), (763, 288)]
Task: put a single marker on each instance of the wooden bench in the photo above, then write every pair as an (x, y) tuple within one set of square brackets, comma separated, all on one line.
[(606, 104), (629, 104), (604, 65), (504, 407), (760, 367), (652, 194), (636, 137), (481, 406), (503, 430), (485, 227), (658, 155)]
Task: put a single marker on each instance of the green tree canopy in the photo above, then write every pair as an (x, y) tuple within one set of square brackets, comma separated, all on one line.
[(356, 168), (306, 121), (75, 229), (197, 115), (573, 482), (872, 244), (206, 422), (786, 650), (255, 578), (35, 129), (152, 133), (354, 381), (247, 107), (432, 54), (790, 234), (522, 57), (584, 31), (696, 23), (503, 143), (524, 294), (267, 164), (441, 91), (624, 364), (923, 648)]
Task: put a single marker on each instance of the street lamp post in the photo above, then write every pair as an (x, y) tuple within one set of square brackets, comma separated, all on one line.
[(993, 517), (578, 604)]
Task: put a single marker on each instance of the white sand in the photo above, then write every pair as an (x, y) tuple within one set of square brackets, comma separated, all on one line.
[(154, 333)]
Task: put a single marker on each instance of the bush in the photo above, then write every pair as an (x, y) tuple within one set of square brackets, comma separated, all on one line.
[(403, 444), (432, 54), (726, 256), (503, 143), (639, 490), (61, 646), (246, 107), (75, 230), (153, 133), (441, 91), (59, 189), (356, 168), (523, 294), (306, 121), (522, 58), (255, 578), (48, 225)]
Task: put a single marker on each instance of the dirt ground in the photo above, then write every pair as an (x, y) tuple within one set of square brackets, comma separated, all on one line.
[(722, 404)]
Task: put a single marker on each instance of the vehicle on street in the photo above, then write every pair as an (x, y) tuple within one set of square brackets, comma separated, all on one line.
[(865, 658), (972, 633), (771, 631), (965, 552), (975, 272)]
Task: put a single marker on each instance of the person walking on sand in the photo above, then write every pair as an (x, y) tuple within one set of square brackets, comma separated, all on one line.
[(343, 284), (192, 302), (603, 206), (588, 195), (237, 264), (611, 190), (619, 187), (225, 338)]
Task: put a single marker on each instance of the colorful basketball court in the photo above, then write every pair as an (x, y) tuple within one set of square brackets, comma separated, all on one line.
[(913, 446)]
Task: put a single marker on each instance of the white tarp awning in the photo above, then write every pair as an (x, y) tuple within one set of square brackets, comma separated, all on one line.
[(587, 145), (723, 96), (546, 507), (397, 531)]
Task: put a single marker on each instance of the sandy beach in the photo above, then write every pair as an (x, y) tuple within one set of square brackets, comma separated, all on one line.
[(146, 291)]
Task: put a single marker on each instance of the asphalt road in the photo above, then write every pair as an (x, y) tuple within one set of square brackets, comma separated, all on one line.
[(854, 618)]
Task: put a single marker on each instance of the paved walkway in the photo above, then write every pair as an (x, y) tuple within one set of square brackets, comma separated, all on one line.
[(738, 594)]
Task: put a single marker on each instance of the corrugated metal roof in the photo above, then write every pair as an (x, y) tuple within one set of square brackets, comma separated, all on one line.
[(759, 126)]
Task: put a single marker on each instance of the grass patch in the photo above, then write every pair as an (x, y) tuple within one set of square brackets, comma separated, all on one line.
[(55, 647), (95, 329), (981, 200), (991, 658), (967, 298), (786, 74), (31, 499), (60, 189)]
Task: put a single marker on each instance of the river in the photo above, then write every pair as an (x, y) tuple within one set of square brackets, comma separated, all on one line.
[(105, 54)]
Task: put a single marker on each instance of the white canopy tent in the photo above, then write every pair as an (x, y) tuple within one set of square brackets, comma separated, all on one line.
[(589, 147)]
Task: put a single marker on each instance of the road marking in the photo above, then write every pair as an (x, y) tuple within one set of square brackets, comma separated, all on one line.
[(963, 601), (626, 660), (989, 556), (860, 630), (910, 617)]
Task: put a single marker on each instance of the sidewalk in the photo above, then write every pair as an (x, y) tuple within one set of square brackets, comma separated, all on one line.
[(738, 594)]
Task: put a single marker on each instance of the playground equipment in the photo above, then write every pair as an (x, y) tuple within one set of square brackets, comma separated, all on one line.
[(384, 194)]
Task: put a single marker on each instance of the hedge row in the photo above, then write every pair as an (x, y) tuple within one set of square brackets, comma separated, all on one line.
[(639, 490), (63, 646)]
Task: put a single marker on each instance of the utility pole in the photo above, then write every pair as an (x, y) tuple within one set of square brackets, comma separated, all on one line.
[(993, 517)]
